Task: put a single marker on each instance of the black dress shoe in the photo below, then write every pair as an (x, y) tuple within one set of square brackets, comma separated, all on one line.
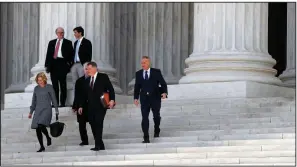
[(146, 140), (83, 144), (157, 135), (95, 149), (49, 141), (41, 149)]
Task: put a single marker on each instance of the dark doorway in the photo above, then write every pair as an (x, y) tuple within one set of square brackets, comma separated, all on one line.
[(277, 34)]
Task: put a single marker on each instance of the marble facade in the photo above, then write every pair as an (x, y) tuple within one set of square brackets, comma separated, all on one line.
[(189, 42), (289, 75)]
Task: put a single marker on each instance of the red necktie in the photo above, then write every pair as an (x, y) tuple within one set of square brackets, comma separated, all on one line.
[(92, 82), (57, 49)]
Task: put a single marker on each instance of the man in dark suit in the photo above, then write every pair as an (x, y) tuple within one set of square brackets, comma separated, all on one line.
[(82, 118), (95, 86), (146, 86), (58, 63), (82, 53)]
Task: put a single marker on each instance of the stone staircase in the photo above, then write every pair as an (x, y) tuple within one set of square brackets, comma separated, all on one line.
[(230, 131)]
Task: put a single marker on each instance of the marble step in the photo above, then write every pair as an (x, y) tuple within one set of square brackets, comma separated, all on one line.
[(232, 128), (222, 146), (194, 121), (121, 125), (253, 113), (217, 141), (171, 133), (25, 130), (210, 110), (168, 122), (185, 162), (166, 156), (202, 134), (75, 139), (225, 102)]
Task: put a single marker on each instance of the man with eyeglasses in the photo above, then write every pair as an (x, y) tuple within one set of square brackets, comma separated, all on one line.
[(58, 63)]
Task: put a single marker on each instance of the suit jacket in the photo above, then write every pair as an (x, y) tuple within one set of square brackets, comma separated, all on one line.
[(92, 96), (155, 80), (79, 92), (67, 53), (84, 52)]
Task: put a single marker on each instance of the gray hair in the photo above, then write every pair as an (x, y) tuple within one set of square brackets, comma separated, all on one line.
[(145, 57), (85, 64), (59, 28)]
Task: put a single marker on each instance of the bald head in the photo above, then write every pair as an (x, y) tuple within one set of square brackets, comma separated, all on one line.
[(60, 32)]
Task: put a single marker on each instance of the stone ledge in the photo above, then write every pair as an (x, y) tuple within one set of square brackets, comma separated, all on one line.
[(239, 89)]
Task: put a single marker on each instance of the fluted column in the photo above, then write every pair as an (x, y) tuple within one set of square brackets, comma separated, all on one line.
[(162, 31), (93, 17), (46, 33), (20, 26), (3, 50), (124, 42), (289, 75), (230, 44), (103, 51)]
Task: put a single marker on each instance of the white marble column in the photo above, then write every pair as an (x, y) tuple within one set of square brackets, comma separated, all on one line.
[(103, 48), (20, 26), (230, 44), (162, 31), (46, 33), (70, 15), (124, 42), (289, 75), (3, 49)]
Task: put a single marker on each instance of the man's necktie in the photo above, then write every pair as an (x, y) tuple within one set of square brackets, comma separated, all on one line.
[(146, 76), (92, 82), (57, 49)]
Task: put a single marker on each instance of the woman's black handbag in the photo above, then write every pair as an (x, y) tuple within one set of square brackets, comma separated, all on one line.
[(56, 128)]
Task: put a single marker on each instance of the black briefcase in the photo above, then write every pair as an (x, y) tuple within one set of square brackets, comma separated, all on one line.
[(56, 128)]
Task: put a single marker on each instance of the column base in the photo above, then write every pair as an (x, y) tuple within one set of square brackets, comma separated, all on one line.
[(230, 67), (289, 78), (16, 88), (239, 89), (110, 71)]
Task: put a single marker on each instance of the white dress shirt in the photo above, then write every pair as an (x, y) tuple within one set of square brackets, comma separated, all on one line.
[(76, 57), (59, 51), (148, 73), (95, 76)]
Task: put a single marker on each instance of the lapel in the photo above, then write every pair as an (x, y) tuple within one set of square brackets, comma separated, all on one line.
[(96, 81), (82, 41), (62, 46), (151, 74)]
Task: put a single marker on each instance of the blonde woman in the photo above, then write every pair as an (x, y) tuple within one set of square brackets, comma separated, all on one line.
[(43, 96)]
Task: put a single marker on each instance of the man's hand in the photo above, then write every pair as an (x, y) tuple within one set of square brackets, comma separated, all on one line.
[(136, 102), (80, 110), (111, 104), (164, 96), (30, 116)]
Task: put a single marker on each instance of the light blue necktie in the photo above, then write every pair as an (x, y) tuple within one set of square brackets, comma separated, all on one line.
[(76, 50)]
